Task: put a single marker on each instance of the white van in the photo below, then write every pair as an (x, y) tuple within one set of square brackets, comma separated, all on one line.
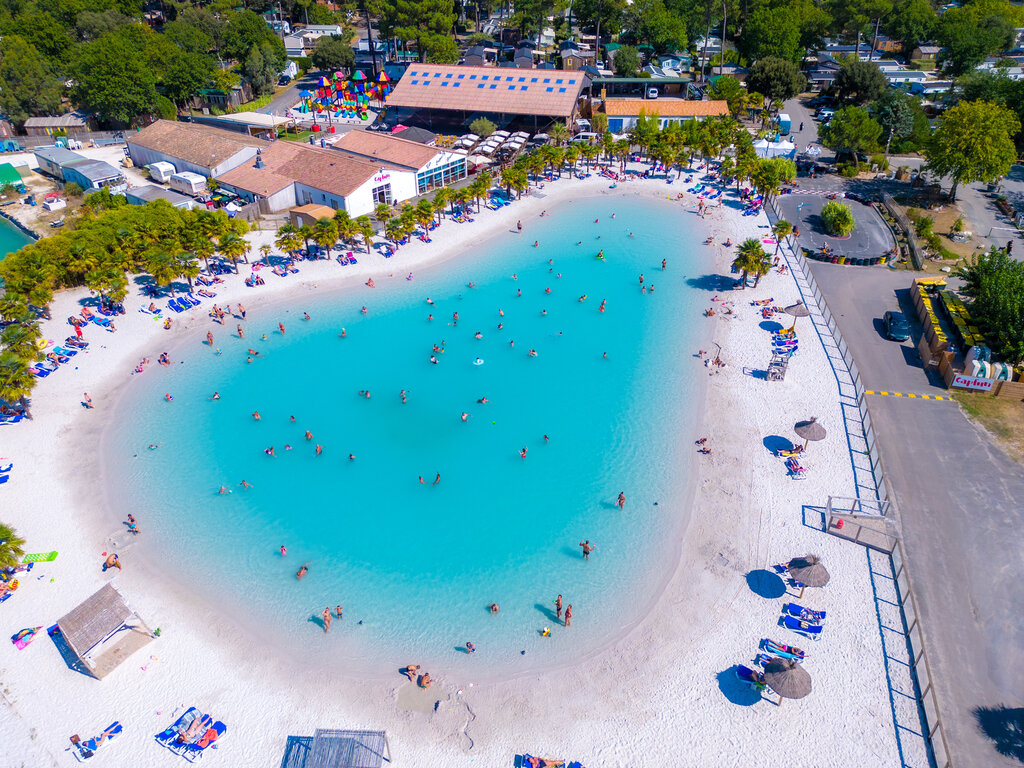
[(586, 137), (652, 93)]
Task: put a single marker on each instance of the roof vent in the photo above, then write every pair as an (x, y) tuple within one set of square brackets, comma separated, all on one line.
[(259, 162)]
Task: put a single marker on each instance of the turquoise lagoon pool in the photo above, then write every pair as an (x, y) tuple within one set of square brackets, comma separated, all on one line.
[(416, 565)]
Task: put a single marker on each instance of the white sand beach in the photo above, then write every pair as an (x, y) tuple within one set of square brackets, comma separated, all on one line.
[(663, 695)]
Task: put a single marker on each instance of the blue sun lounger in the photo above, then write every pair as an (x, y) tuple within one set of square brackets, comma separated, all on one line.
[(804, 628), (805, 614), (746, 675), (85, 749), (173, 304), (209, 739)]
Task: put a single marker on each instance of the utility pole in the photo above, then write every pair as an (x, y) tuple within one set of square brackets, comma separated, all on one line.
[(369, 37), (721, 58)]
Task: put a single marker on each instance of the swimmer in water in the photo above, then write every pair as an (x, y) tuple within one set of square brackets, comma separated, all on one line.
[(430, 317), (582, 298), (500, 326), (547, 439), (216, 396), (370, 283), (501, 312), (303, 570), (319, 449), (351, 457), (532, 353), (403, 394), (343, 333), (514, 276), (483, 401), (256, 415), (664, 263), (280, 327), (246, 484), (305, 316), (465, 416), (519, 293), (601, 308), (363, 310), (455, 318), (536, 243), (437, 479), (284, 552), (223, 490), (522, 453), (430, 301), (547, 290), (309, 435), (478, 335), (270, 451)]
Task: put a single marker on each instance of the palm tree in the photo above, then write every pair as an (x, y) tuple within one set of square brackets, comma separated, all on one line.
[(572, 154), (289, 240), (306, 233), (442, 197), (558, 133), (325, 234), (16, 381), (11, 547), (366, 231), (108, 282), (163, 266), (424, 213), (265, 253), (344, 225), (781, 229), (750, 258), (14, 310), (20, 340), (232, 247), (188, 266), (393, 230), (382, 213)]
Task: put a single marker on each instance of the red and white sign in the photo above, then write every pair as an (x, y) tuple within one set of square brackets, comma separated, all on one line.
[(382, 177), (971, 382)]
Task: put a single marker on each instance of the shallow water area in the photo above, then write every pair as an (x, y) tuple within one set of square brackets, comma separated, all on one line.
[(416, 565)]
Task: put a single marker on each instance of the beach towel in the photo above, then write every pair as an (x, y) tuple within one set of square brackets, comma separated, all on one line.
[(22, 638), (45, 557)]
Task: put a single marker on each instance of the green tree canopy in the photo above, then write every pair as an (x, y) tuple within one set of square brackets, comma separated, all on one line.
[(852, 130), (29, 85), (331, 54), (440, 49), (912, 22), (837, 218), (112, 80), (895, 114), (418, 21), (973, 142), (650, 22), (771, 32), (776, 79), (727, 88), (595, 14), (994, 283), (969, 34), (859, 82), (626, 61)]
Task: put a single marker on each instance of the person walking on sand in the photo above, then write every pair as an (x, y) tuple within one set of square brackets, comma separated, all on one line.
[(621, 501), (241, 311), (88, 400), (558, 607), (519, 227), (326, 616), (568, 615), (587, 548), (209, 338)]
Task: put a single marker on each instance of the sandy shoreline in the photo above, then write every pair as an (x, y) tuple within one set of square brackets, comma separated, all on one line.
[(662, 690)]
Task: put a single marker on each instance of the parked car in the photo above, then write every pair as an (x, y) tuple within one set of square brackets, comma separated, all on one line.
[(896, 326), (284, 80), (652, 93)]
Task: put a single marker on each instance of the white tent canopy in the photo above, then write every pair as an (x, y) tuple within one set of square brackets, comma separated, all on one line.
[(782, 148)]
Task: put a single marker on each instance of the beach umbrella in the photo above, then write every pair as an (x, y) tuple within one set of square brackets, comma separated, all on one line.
[(787, 678), (797, 310), (323, 82), (305, 95), (808, 572), (809, 430)]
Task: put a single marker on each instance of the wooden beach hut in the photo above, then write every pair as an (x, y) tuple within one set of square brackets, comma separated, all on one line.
[(103, 631), (337, 749)]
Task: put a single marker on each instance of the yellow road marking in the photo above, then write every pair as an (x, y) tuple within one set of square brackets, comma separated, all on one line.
[(908, 394)]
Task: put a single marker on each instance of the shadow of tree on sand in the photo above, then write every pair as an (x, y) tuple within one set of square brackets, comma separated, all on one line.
[(1005, 726)]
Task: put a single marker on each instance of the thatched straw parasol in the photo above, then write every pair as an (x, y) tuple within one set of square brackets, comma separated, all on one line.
[(787, 678), (810, 430), (808, 572), (797, 310)]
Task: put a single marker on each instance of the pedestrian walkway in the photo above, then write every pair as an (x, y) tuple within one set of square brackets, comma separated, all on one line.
[(907, 394)]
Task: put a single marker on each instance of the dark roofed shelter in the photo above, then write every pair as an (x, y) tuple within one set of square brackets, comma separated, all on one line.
[(103, 631), (337, 749)]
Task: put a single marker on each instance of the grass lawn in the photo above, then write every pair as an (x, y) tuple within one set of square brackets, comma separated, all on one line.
[(1003, 417), (302, 136)]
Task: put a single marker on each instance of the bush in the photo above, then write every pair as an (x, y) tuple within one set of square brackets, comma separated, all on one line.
[(881, 161), (73, 189), (482, 127), (958, 225), (837, 219), (849, 170), (923, 226)]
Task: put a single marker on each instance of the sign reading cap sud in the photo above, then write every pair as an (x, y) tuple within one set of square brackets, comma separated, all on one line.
[(972, 382)]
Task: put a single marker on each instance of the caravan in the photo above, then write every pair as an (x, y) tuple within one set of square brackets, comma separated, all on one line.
[(188, 183), (161, 171)]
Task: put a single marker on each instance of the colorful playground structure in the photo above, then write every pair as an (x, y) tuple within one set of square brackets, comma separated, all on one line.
[(344, 96)]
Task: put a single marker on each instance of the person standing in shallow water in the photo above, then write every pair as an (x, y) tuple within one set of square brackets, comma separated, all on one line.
[(621, 501), (587, 549), (558, 607), (568, 615), (326, 616)]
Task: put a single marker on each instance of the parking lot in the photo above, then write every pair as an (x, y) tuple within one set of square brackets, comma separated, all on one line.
[(870, 237)]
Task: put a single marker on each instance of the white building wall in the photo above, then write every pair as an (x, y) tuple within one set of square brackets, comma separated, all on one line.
[(144, 156)]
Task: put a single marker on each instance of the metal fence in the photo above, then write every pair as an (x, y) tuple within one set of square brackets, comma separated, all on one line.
[(908, 228), (928, 703)]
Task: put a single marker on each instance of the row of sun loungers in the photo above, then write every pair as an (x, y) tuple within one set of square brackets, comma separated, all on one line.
[(191, 734)]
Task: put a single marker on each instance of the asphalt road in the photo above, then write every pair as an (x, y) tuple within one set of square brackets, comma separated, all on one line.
[(959, 503), (870, 237)]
